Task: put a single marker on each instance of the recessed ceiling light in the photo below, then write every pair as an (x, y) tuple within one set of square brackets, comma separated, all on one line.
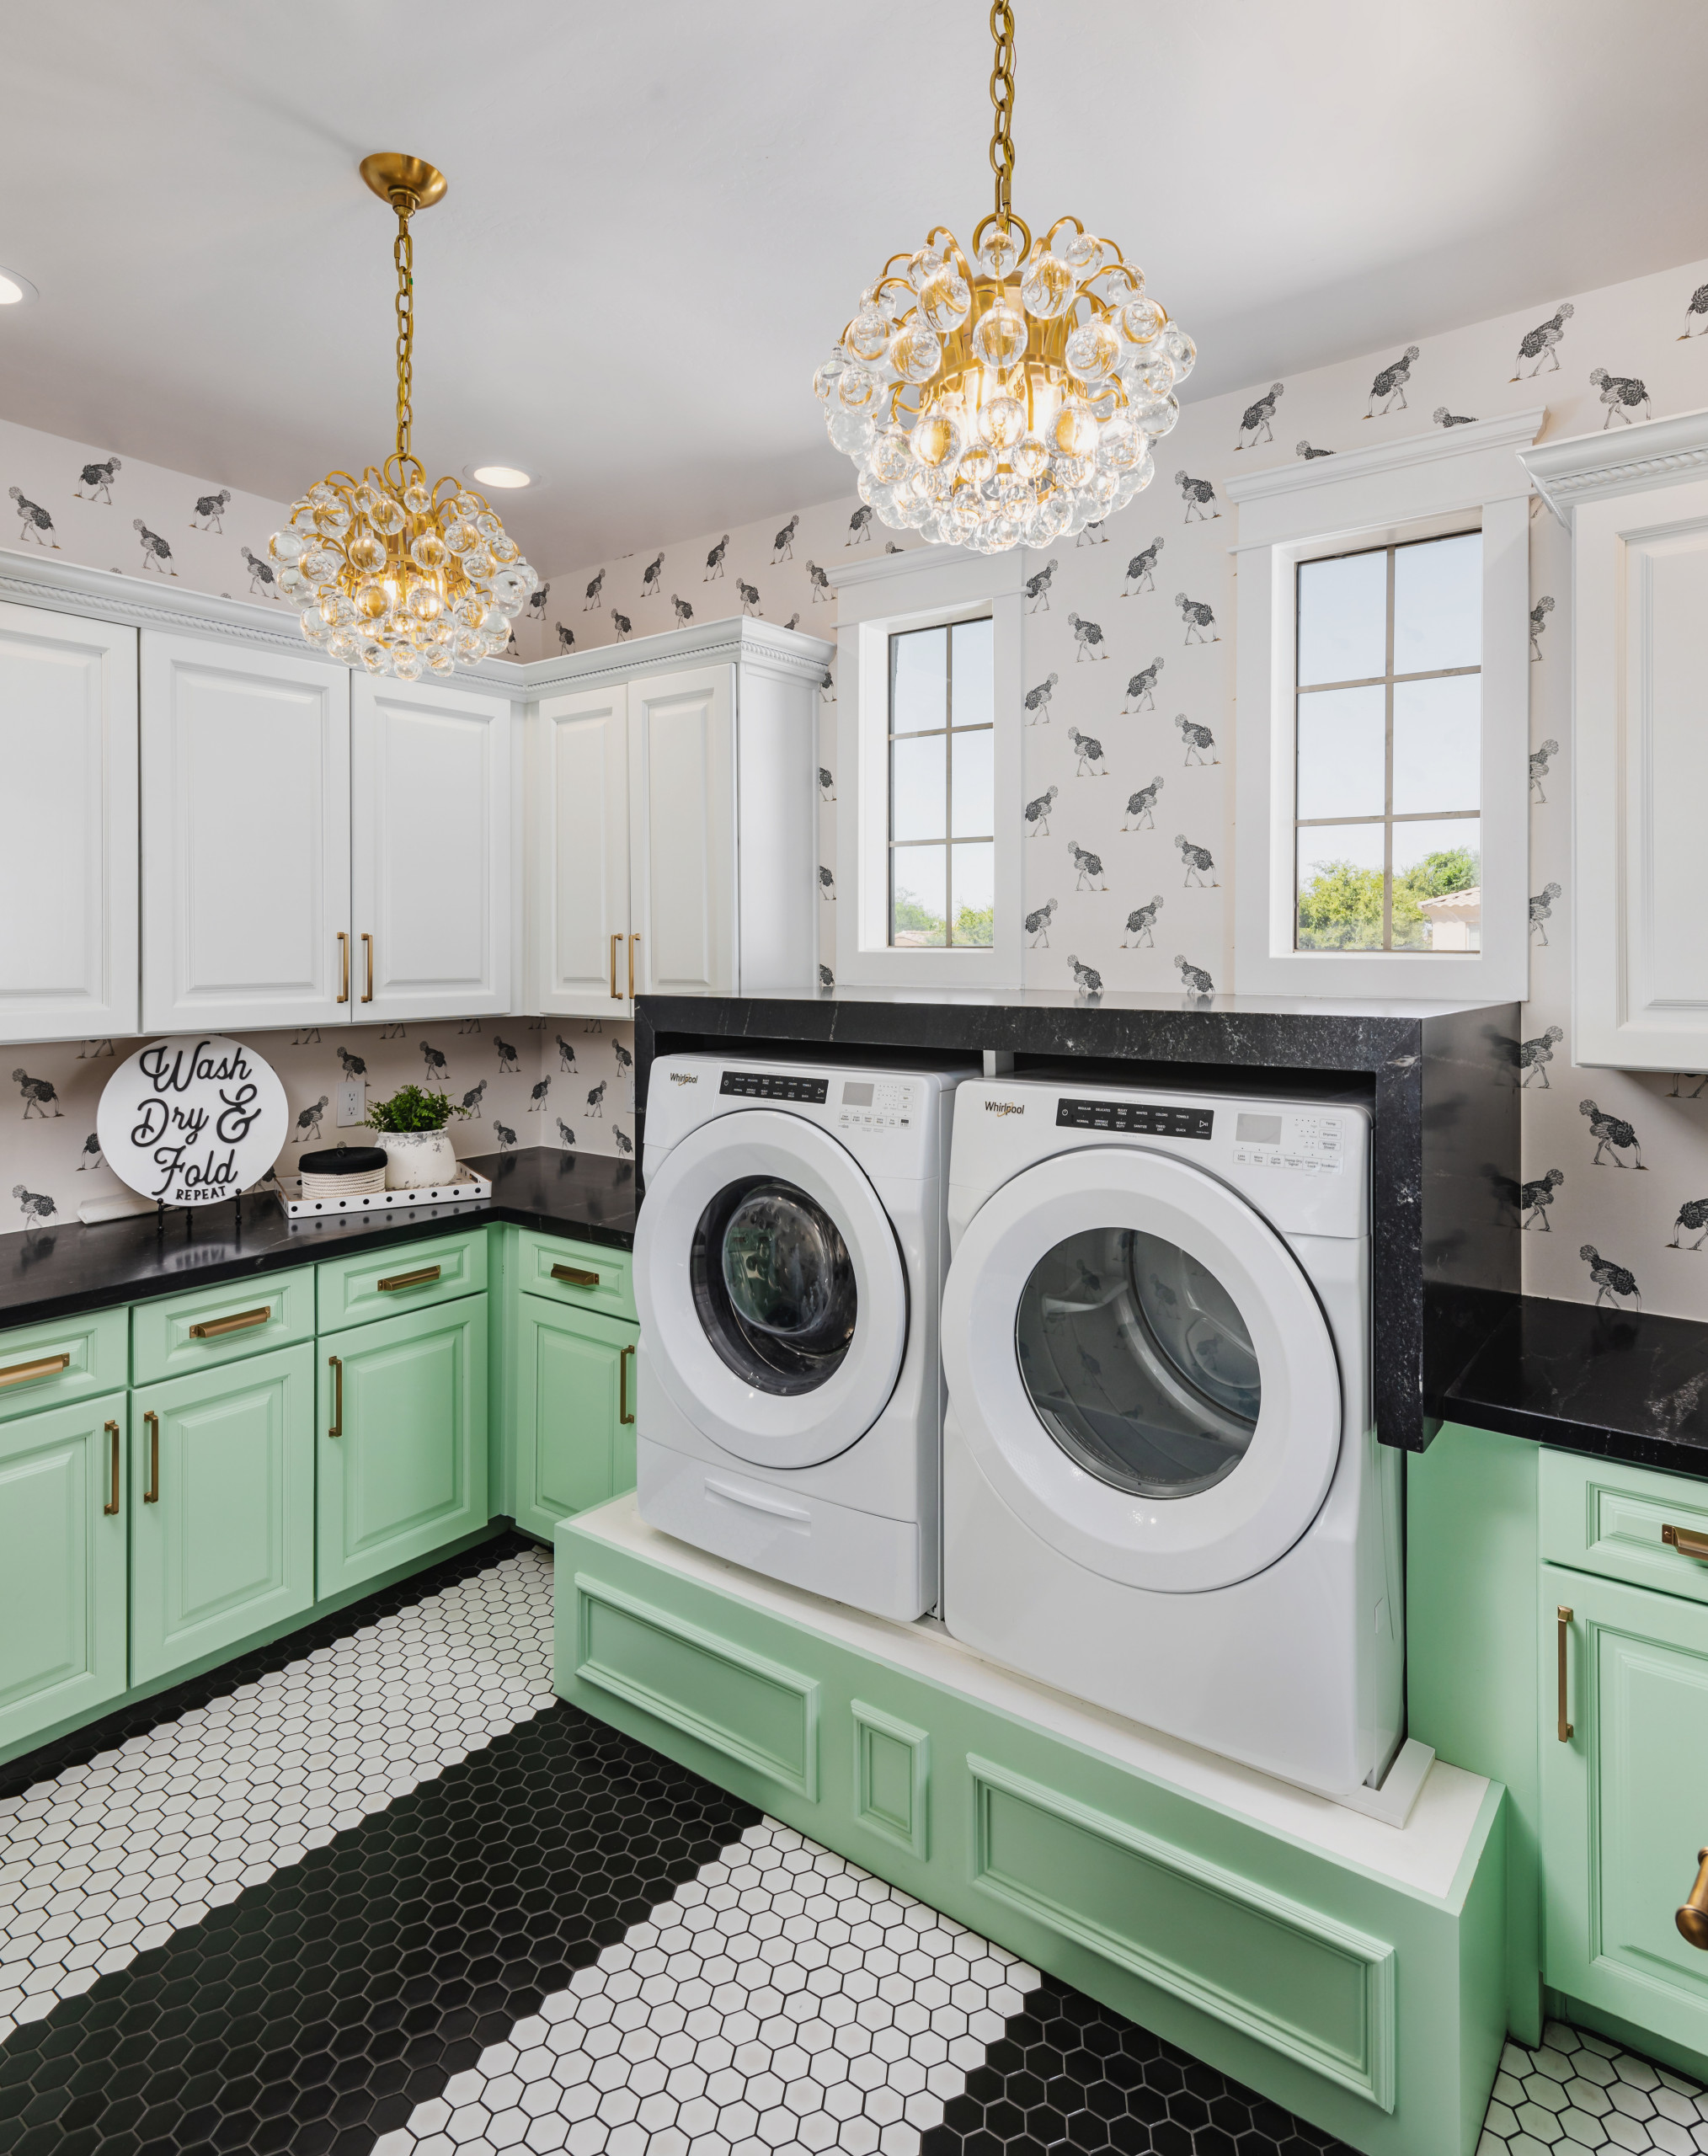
[(498, 474), (15, 291)]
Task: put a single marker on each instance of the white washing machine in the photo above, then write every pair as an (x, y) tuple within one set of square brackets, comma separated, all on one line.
[(788, 1271), (1162, 1489)]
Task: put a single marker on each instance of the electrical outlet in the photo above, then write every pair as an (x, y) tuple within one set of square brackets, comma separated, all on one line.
[(352, 1101)]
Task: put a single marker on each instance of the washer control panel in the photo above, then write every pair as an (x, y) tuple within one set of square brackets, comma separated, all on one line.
[(1145, 1119), (875, 1104), (775, 1086), (1309, 1141)]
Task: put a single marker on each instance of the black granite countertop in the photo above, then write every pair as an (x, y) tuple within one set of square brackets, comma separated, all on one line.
[(63, 1270)]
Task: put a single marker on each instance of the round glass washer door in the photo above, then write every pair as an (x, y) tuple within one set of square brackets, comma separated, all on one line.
[(1141, 1369), (770, 1288)]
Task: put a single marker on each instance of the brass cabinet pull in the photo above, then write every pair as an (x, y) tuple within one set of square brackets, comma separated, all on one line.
[(368, 946), (150, 1496), (1688, 1544), (112, 1503), (623, 1413), (419, 1279), (335, 1429), (632, 941), (1563, 1616), (575, 1275), (615, 996), (212, 1328), (21, 1373), (343, 966), (1691, 1916)]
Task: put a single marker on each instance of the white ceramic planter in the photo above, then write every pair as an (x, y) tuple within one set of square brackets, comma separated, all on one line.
[(414, 1159)]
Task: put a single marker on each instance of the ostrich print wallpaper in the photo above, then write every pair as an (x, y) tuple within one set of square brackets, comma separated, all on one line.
[(1127, 728)]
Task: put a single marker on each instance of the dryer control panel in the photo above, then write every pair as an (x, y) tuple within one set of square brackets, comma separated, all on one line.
[(1310, 1141), (774, 1085), (875, 1104)]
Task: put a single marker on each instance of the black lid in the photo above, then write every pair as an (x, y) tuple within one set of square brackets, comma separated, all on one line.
[(346, 1161)]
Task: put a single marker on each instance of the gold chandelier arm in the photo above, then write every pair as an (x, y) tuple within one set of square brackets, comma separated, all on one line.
[(1002, 99)]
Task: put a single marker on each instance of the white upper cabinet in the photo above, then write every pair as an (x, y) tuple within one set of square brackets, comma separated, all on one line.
[(578, 793), (431, 855), (1638, 506), (246, 837), (673, 833), (68, 858)]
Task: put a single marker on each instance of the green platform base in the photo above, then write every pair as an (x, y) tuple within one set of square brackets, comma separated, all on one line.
[(1351, 1971)]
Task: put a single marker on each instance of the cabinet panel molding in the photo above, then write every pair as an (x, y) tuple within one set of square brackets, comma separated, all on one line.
[(579, 852)]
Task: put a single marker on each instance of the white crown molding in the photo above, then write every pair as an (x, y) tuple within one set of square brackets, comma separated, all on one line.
[(1515, 430), (109, 596), (1653, 453)]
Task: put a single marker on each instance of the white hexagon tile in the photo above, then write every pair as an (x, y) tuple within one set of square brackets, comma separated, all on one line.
[(782, 2000), (1578, 2092)]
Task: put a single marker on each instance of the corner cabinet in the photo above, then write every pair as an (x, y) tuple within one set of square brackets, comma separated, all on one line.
[(672, 830), (68, 863), (1637, 502), (318, 849)]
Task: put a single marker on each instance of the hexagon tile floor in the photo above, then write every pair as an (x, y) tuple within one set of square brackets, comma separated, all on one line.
[(372, 1892)]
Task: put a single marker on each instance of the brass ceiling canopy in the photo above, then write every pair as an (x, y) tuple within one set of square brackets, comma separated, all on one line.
[(403, 577)]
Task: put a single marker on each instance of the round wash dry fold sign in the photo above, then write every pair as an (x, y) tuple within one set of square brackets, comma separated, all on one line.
[(192, 1120)]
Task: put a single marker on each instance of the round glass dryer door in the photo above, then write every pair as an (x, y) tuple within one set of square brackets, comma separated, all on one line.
[(774, 1286), (772, 1297), (1140, 1367), (1138, 1364)]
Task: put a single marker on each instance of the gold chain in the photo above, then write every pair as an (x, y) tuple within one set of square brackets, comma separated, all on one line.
[(403, 254), (1002, 98)]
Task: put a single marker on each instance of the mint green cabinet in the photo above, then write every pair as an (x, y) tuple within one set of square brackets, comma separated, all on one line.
[(574, 1410), (223, 1517), (402, 1443), (63, 1517), (1625, 1800)]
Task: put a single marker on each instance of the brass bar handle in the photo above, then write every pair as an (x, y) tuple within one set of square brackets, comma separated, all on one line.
[(344, 967), (417, 1278), (1688, 1544), (368, 946), (1691, 1916), (50, 1366), (335, 1428), (576, 1275), (632, 941), (112, 1503), (1563, 1618), (213, 1328), (150, 1496), (615, 941), (623, 1408)]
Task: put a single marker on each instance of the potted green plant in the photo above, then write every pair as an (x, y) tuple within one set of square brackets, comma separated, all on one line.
[(410, 1128)]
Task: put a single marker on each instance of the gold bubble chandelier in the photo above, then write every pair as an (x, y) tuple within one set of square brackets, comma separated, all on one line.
[(1009, 399), (402, 577)]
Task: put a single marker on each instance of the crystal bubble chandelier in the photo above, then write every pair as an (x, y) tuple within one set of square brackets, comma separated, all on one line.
[(1010, 398), (403, 577)]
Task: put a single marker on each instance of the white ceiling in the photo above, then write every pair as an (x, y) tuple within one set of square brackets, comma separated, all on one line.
[(661, 214)]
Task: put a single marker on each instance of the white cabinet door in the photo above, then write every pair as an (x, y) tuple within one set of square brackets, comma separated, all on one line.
[(245, 836), (430, 790), (681, 792), (578, 868), (68, 960), (1641, 784)]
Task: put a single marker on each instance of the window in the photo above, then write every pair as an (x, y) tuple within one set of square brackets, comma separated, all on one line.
[(1381, 719), (942, 847), (1387, 735)]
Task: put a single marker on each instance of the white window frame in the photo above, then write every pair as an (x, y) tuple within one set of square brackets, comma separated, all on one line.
[(1421, 487), (876, 598)]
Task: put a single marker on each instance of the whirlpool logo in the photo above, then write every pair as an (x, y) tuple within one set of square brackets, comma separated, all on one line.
[(685, 1077), (1005, 1107)]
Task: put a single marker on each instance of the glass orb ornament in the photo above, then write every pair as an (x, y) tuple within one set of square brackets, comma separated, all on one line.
[(1050, 287), (1000, 336), (1092, 351), (914, 353)]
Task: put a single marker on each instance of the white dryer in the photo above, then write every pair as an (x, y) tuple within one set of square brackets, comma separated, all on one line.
[(1162, 1489), (788, 1269)]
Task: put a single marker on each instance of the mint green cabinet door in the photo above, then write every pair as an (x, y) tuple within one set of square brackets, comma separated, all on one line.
[(63, 1514), (574, 1411), (223, 1518), (1625, 1801), (401, 1439)]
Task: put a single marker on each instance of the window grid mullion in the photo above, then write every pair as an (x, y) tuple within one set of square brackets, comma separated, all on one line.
[(1388, 771)]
